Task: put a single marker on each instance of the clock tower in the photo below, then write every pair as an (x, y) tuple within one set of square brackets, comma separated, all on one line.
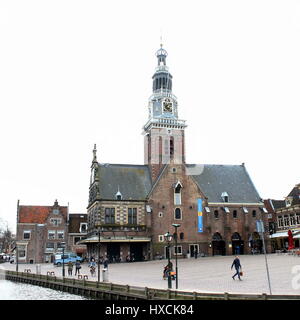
[(163, 132)]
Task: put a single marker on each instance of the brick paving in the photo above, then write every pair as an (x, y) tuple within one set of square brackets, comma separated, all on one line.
[(208, 274)]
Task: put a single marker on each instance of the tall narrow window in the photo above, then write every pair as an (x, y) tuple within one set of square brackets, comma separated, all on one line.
[(110, 215), (253, 213), (178, 214), (171, 148), (177, 194), (216, 214), (132, 216), (234, 214)]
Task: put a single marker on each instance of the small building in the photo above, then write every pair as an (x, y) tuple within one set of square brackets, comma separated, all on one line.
[(41, 232), (77, 230)]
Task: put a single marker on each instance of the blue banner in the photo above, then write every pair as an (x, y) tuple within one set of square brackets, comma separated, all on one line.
[(200, 218)]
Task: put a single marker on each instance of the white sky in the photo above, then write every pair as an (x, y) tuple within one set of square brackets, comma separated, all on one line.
[(75, 73)]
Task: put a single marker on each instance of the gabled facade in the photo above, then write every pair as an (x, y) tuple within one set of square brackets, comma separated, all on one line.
[(287, 217), (41, 230), (133, 206)]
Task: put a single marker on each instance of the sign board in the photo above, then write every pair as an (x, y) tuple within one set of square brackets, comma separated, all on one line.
[(260, 226), (200, 216)]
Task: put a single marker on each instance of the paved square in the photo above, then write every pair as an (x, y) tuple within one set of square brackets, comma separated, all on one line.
[(209, 274)]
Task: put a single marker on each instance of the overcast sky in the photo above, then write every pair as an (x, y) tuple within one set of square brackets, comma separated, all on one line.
[(75, 73)]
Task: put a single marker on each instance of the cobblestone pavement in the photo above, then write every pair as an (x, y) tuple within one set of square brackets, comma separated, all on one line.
[(209, 274)]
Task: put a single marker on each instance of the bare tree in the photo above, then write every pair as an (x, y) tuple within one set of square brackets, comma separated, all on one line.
[(7, 238)]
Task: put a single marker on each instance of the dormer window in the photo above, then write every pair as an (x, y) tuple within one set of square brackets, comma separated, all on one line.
[(224, 196), (288, 202), (83, 227), (119, 195)]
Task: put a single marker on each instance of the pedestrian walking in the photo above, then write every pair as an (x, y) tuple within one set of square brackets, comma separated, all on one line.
[(77, 267), (105, 263), (237, 265), (70, 268)]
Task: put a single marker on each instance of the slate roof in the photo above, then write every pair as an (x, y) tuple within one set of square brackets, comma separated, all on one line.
[(133, 181), (295, 193), (213, 180)]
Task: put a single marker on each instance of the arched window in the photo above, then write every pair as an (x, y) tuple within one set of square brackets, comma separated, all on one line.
[(234, 214), (171, 147), (178, 215), (216, 214)]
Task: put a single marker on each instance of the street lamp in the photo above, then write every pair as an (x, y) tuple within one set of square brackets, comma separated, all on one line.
[(168, 239), (99, 254), (63, 244), (17, 258), (176, 225)]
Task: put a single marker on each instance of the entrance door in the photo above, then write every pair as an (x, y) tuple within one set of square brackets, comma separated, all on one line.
[(237, 244), (113, 251), (193, 249), (218, 245), (136, 251)]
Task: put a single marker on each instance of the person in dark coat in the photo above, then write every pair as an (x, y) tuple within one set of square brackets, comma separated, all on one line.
[(237, 264), (77, 267)]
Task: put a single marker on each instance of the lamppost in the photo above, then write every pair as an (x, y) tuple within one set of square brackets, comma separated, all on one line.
[(98, 254), (168, 239), (176, 225), (17, 258), (63, 244)]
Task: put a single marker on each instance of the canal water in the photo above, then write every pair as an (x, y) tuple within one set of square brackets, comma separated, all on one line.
[(10, 290)]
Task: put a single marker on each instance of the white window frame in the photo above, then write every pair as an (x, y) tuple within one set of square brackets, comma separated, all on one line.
[(27, 231), (51, 232), (25, 251), (82, 224), (160, 214), (176, 251), (160, 238), (280, 221), (60, 232)]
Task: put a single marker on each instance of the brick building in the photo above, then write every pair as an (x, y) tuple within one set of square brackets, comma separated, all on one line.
[(287, 217), (42, 231), (131, 207), (77, 230)]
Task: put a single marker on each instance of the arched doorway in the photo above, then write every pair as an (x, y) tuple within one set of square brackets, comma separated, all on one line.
[(256, 244), (237, 244), (218, 245)]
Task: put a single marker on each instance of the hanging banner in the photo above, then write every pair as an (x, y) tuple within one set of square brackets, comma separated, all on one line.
[(200, 218)]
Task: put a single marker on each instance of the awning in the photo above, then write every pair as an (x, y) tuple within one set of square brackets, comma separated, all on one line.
[(95, 239), (284, 234)]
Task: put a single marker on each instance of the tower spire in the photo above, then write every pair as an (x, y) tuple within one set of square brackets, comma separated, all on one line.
[(95, 153)]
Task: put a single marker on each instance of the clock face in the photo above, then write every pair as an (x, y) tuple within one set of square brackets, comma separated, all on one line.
[(168, 106)]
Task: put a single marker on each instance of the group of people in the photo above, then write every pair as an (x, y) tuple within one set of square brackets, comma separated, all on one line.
[(92, 266), (77, 268)]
